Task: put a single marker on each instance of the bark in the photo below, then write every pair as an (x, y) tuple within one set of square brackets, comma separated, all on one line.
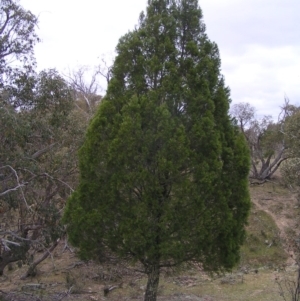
[(296, 296), (267, 168), (32, 269), (43, 151), (152, 283)]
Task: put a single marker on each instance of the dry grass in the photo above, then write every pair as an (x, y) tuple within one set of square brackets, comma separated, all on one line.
[(263, 247), (273, 218)]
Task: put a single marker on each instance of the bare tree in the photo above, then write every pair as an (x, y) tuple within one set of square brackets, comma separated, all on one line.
[(105, 70), (85, 88), (266, 139), (289, 289), (244, 114)]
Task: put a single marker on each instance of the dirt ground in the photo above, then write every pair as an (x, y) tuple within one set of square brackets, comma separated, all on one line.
[(284, 208), (65, 277)]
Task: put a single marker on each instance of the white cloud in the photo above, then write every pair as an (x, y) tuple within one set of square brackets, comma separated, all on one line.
[(259, 41), (263, 75)]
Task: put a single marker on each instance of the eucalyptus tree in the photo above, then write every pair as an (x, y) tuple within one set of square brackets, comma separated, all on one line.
[(38, 165), (266, 138), (39, 137), (291, 167), (17, 40)]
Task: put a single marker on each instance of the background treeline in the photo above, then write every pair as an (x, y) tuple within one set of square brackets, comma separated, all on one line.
[(43, 118), (273, 142)]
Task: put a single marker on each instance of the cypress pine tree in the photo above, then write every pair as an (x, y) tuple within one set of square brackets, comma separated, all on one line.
[(163, 170)]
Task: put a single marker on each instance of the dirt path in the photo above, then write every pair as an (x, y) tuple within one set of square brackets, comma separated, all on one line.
[(283, 208)]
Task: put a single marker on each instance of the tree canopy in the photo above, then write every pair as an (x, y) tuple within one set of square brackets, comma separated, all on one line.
[(38, 165), (17, 39), (42, 125), (163, 170), (291, 167)]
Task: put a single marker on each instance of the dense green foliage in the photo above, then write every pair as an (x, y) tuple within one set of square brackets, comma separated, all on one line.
[(163, 169)]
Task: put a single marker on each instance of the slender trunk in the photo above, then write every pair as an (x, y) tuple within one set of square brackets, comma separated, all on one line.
[(152, 283), (32, 269), (297, 288), (254, 170)]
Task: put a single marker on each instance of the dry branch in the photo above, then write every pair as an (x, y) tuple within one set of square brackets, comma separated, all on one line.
[(33, 266)]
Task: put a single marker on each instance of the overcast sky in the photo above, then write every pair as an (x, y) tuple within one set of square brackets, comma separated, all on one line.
[(259, 41)]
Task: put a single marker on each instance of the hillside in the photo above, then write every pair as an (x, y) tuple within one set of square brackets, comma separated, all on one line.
[(267, 257)]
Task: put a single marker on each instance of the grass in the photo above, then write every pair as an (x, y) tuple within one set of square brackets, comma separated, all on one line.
[(263, 246), (233, 287), (262, 259)]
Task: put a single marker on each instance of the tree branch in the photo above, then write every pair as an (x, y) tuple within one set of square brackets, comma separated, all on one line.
[(32, 267), (42, 151)]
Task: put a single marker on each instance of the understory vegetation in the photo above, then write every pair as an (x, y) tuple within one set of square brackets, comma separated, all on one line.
[(265, 260)]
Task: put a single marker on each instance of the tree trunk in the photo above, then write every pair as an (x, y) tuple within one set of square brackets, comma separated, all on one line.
[(152, 283), (32, 269)]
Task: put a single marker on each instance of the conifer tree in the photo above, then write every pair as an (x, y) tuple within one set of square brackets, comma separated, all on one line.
[(163, 169)]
